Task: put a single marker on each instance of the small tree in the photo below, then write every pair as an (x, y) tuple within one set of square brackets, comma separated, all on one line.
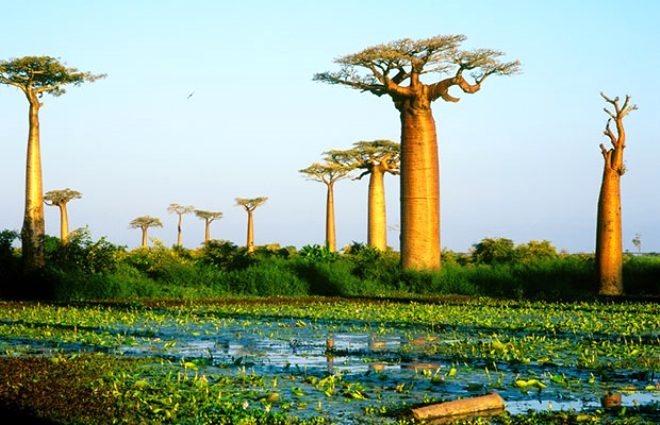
[(375, 158), (60, 198), (250, 204), (397, 69), (535, 250), (144, 223), (493, 251), (637, 242), (609, 240), (208, 217), (36, 76), (180, 210), (328, 173)]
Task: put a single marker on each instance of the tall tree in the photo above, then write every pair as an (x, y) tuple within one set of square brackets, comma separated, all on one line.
[(250, 204), (36, 76), (180, 210), (60, 198), (328, 173), (609, 241), (144, 223), (208, 217), (376, 158), (396, 69)]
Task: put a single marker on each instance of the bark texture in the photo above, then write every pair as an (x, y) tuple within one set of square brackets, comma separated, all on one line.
[(420, 188)]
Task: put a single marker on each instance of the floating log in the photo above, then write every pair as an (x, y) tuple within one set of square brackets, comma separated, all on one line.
[(460, 407)]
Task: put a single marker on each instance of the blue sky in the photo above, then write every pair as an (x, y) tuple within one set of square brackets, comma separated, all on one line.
[(520, 159)]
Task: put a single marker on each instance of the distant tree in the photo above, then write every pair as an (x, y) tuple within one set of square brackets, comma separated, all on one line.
[(396, 70), (36, 76), (609, 240), (59, 198), (250, 204), (375, 158), (535, 250), (637, 242), (208, 217), (493, 250), (144, 223), (180, 210), (328, 173)]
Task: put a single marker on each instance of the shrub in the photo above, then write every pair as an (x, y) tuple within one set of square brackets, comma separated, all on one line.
[(268, 277), (641, 275), (82, 253), (493, 251), (535, 250), (226, 255)]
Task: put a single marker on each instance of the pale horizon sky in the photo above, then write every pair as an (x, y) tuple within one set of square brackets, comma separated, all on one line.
[(520, 159)]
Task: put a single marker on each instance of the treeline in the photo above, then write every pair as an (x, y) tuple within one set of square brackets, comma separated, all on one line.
[(83, 269)]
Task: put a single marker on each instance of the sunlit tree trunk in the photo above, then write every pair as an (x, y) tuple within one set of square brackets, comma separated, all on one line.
[(207, 231), (144, 237), (420, 190), (330, 235), (33, 230), (64, 223), (609, 241), (376, 226), (250, 232)]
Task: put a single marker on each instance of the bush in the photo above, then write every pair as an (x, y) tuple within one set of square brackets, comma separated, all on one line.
[(641, 274), (493, 251), (269, 276), (226, 255)]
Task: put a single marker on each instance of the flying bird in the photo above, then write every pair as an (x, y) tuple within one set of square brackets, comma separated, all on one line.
[(190, 95)]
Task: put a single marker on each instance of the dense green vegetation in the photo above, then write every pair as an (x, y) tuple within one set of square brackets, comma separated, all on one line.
[(84, 269)]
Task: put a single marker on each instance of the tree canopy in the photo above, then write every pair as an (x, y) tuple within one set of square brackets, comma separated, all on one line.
[(250, 204), (396, 68), (144, 222), (61, 196), (42, 74)]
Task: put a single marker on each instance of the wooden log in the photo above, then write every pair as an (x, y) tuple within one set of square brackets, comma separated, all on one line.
[(463, 406)]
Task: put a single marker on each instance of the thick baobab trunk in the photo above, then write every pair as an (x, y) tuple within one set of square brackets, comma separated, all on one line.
[(330, 236), (420, 193), (376, 226), (144, 237), (32, 233), (250, 233), (609, 241), (64, 224)]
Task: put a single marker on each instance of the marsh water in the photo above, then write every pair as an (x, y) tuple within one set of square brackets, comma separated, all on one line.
[(370, 364)]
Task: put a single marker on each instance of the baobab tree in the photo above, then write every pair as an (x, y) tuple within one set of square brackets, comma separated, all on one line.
[(250, 204), (36, 76), (144, 223), (328, 173), (376, 158), (60, 198), (208, 217), (396, 70), (609, 241), (180, 210)]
